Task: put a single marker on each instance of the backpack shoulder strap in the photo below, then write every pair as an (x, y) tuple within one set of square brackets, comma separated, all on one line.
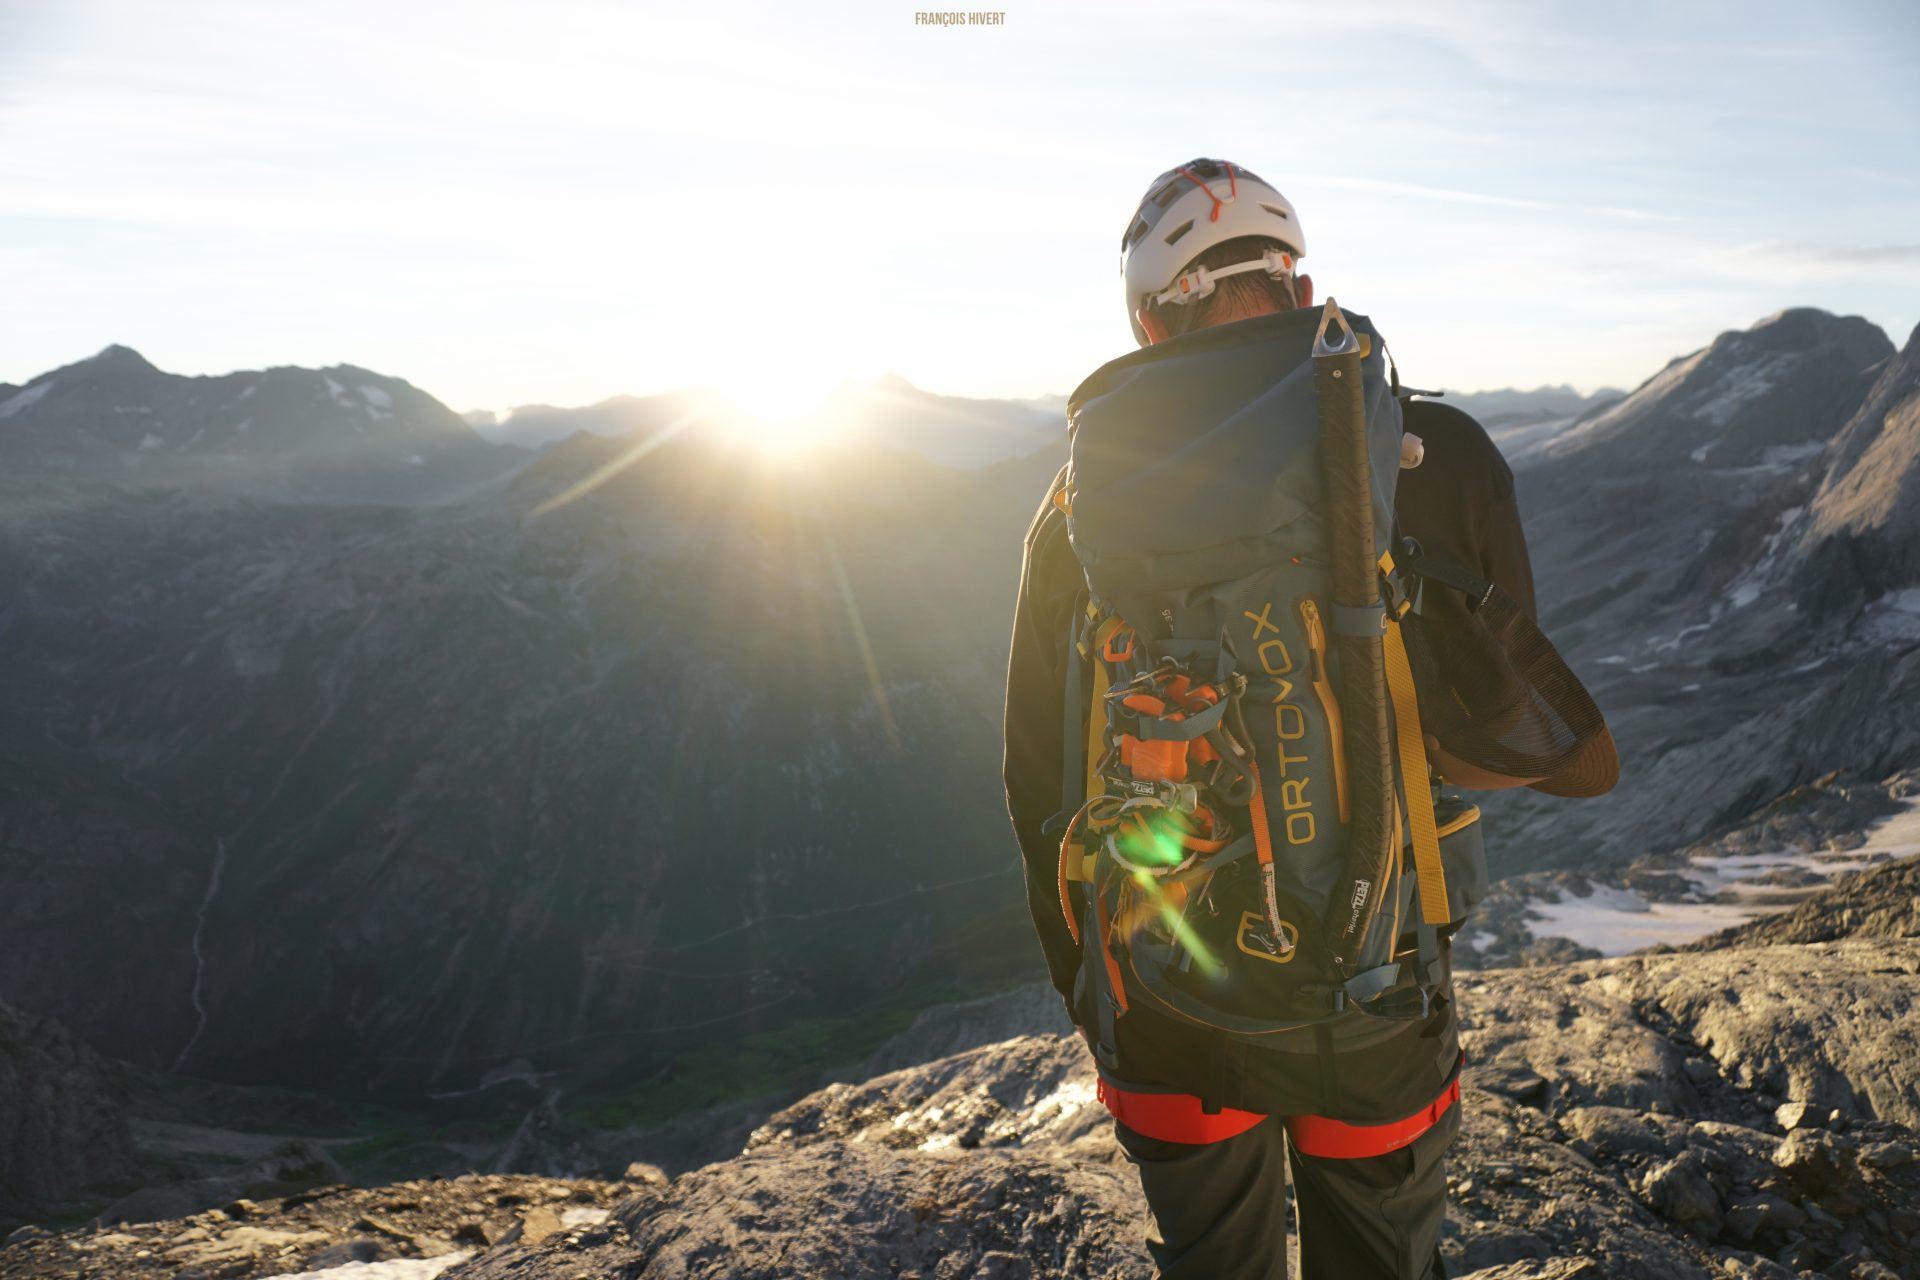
[(1430, 874)]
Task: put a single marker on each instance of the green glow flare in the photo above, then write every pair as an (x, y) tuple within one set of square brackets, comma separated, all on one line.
[(1178, 926), (1143, 845)]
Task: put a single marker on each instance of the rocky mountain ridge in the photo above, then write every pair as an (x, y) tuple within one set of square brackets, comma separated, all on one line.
[(1666, 535), (412, 798), (888, 413), (335, 434)]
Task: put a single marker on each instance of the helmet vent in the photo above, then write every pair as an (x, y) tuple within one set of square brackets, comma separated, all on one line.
[(1275, 210), (1174, 235)]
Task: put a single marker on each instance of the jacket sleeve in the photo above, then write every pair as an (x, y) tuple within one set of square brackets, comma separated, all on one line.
[(1034, 729)]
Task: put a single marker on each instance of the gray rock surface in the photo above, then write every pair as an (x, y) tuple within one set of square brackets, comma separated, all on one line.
[(1880, 902), (61, 1125), (330, 1226), (857, 1210), (1863, 534), (544, 1144)]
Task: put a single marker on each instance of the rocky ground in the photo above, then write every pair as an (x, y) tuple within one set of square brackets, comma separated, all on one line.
[(1745, 1110), (1746, 1106), (325, 1227)]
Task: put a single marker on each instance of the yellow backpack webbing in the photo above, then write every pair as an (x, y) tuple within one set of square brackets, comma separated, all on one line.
[(1429, 873)]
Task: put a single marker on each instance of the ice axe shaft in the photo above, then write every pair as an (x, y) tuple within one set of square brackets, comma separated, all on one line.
[(1348, 470)]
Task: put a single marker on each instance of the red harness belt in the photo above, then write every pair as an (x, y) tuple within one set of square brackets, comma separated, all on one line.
[(1319, 1136), (1174, 1117), (1177, 1117)]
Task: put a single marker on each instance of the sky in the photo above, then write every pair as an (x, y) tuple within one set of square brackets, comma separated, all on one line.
[(560, 201)]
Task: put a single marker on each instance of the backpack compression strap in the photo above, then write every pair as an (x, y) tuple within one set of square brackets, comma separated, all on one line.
[(1430, 873)]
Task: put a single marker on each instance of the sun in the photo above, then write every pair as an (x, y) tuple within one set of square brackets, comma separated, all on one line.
[(784, 410)]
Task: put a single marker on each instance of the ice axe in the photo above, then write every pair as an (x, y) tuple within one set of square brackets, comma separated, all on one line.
[(1359, 624)]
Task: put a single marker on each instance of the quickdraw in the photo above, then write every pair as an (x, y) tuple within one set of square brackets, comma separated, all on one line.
[(1174, 759)]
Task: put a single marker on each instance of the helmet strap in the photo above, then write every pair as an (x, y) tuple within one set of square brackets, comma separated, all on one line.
[(1198, 283)]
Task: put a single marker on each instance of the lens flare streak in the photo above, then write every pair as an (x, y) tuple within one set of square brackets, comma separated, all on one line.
[(860, 637), (1176, 923), (608, 471)]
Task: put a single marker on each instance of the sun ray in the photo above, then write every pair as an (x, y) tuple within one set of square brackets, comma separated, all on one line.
[(860, 637), (609, 470)]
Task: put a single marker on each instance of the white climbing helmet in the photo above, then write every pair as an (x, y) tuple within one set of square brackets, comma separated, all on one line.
[(1189, 209)]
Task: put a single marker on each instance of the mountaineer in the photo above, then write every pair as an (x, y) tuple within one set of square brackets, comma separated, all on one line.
[(1270, 587)]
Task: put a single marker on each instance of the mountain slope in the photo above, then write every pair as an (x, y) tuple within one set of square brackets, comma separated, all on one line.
[(341, 433), (1861, 536), (1659, 528), (376, 799)]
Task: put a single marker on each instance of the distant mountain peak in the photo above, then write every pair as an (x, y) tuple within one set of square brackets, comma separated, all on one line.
[(1787, 382), (114, 355)]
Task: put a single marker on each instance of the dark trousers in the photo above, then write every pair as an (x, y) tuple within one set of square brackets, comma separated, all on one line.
[(1221, 1214)]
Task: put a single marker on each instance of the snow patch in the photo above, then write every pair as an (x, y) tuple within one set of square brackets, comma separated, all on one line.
[(1753, 581), (1906, 600), (24, 398), (1517, 442), (1743, 384), (1892, 619), (1481, 940), (1615, 920), (1670, 643), (245, 425), (246, 392), (150, 441), (392, 1269), (376, 397), (1781, 456), (335, 391), (1700, 454)]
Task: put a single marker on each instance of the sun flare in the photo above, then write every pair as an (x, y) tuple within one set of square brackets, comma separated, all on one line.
[(783, 412)]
